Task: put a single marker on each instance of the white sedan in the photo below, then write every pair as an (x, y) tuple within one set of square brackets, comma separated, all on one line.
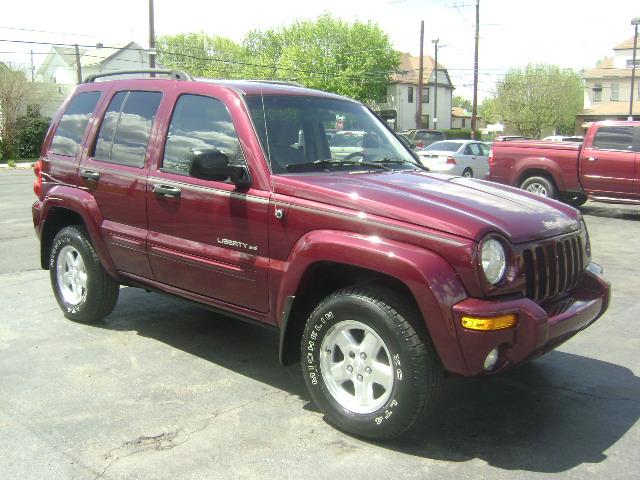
[(467, 158)]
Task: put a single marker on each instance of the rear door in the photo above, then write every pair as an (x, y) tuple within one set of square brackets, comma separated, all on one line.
[(115, 172), (608, 163)]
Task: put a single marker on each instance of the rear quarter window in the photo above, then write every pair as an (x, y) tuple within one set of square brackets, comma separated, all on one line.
[(70, 131)]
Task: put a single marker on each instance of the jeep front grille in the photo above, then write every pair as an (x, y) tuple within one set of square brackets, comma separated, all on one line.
[(553, 268)]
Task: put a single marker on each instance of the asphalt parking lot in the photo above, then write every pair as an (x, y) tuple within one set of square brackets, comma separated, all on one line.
[(164, 389)]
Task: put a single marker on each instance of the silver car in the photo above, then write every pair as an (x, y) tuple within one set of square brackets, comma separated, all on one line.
[(467, 158)]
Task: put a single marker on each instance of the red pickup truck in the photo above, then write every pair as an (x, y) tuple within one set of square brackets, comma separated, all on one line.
[(606, 167), (378, 276)]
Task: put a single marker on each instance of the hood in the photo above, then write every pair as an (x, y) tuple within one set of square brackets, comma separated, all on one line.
[(464, 207)]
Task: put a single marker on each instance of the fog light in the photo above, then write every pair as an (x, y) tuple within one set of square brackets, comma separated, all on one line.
[(491, 360), (489, 323)]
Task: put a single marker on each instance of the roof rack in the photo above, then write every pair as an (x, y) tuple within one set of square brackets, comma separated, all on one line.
[(175, 74), (277, 82)]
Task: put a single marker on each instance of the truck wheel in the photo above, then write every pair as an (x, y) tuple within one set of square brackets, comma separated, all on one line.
[(576, 199), (468, 173), (83, 289), (539, 186), (365, 365)]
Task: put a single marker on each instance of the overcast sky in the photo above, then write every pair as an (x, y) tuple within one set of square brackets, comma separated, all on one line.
[(569, 33)]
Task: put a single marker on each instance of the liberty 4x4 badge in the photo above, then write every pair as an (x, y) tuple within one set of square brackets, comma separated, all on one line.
[(236, 243)]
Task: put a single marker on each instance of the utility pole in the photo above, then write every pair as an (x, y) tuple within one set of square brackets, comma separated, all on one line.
[(152, 39), (634, 22), (78, 66), (419, 96), (474, 111), (32, 68), (435, 96)]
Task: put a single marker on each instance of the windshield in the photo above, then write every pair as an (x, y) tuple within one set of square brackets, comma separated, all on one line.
[(444, 146), (316, 134)]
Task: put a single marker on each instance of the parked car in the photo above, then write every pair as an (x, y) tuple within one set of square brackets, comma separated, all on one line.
[(467, 158), (423, 138), (346, 142), (378, 276), (564, 138), (604, 167)]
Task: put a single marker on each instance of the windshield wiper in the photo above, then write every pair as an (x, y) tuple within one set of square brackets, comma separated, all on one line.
[(327, 164), (400, 161)]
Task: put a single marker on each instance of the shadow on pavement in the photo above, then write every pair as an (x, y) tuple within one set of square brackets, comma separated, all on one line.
[(623, 212), (548, 416)]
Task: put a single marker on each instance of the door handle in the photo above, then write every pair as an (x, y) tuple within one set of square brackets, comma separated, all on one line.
[(166, 191), (592, 159), (90, 175)]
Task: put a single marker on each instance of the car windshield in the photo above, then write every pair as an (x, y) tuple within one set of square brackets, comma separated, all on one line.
[(319, 134), (444, 146)]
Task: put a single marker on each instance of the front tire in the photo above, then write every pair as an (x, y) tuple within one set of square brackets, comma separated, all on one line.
[(82, 287), (540, 186), (366, 366)]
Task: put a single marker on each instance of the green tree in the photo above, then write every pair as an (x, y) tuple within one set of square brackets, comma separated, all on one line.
[(487, 110), (14, 88), (458, 101), (539, 96), (353, 59), (202, 55)]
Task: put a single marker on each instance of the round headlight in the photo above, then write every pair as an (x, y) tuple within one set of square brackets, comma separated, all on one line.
[(494, 260)]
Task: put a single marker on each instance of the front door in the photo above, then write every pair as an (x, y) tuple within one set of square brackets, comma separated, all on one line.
[(205, 236), (608, 166)]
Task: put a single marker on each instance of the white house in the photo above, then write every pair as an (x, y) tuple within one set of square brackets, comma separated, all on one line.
[(607, 87), (401, 106), (59, 65)]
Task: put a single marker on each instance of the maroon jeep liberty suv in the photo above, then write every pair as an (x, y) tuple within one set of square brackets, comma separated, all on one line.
[(379, 276)]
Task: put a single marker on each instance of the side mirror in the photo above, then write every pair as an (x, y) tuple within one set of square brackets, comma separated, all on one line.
[(212, 164)]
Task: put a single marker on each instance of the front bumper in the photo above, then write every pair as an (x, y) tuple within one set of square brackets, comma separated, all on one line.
[(540, 328)]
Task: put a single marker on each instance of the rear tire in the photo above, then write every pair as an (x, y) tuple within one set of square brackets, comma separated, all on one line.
[(540, 186), (468, 173), (82, 287), (365, 365)]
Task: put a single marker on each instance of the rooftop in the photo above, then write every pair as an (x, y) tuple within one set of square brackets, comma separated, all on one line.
[(409, 69), (626, 45), (611, 108)]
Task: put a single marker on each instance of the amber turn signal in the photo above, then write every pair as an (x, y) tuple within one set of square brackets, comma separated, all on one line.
[(490, 323)]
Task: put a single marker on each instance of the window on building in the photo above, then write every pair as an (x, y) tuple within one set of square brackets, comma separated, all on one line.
[(597, 92), (614, 138), (200, 123), (70, 132), (463, 122), (410, 95), (425, 95), (615, 92), (630, 62), (125, 130)]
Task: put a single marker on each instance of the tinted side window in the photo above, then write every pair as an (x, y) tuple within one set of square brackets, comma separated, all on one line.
[(126, 128), (108, 127), (614, 138), (134, 128), (199, 123), (485, 150), (68, 137)]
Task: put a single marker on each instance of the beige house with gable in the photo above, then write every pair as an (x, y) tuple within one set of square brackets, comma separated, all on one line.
[(607, 87), (401, 104)]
